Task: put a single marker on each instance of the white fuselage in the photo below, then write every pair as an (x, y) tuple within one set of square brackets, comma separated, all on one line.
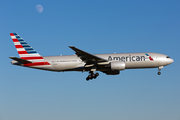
[(132, 61)]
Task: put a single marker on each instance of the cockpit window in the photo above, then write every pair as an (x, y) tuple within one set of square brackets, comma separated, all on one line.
[(167, 57)]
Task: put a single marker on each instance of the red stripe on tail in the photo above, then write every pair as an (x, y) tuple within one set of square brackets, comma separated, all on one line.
[(18, 46), (15, 40), (22, 52), (11, 34)]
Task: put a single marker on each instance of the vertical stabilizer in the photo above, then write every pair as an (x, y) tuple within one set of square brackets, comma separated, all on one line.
[(26, 52)]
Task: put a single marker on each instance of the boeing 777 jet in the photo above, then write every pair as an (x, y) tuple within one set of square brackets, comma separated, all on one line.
[(110, 64)]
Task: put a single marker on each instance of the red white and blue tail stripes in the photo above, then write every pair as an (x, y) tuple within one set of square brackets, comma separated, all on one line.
[(26, 52)]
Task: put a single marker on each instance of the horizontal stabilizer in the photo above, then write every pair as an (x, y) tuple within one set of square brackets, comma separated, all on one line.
[(20, 60)]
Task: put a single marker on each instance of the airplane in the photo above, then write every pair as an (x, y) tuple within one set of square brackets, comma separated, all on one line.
[(110, 64)]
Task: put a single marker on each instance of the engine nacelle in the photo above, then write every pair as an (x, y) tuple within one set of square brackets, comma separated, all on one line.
[(115, 72), (118, 65)]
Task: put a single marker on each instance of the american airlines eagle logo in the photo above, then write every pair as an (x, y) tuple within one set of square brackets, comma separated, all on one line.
[(150, 58)]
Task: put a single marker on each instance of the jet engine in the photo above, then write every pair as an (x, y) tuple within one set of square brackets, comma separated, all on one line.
[(119, 65)]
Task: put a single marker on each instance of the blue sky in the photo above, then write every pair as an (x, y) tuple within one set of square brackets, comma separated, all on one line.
[(96, 26)]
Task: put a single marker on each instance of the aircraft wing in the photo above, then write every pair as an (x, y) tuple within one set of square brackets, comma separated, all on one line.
[(20, 60), (87, 57)]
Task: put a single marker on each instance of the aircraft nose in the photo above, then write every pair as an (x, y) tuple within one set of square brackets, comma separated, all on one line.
[(171, 61)]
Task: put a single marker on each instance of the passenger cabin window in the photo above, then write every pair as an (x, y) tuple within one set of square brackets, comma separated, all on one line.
[(167, 57)]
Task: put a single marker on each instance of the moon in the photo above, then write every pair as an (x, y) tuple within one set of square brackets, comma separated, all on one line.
[(39, 8)]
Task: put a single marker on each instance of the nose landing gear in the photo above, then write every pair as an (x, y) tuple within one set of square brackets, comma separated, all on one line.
[(159, 73), (92, 76), (159, 69)]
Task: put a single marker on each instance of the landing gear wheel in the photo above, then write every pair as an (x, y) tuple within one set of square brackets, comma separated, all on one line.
[(92, 76), (159, 73), (97, 74), (159, 69), (87, 78)]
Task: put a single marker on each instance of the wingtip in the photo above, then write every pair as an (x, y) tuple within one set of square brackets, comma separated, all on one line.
[(11, 57), (71, 46)]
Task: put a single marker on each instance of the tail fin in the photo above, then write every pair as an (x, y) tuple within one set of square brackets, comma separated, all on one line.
[(24, 50)]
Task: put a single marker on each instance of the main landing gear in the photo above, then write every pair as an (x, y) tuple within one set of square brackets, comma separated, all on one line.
[(159, 69), (92, 75)]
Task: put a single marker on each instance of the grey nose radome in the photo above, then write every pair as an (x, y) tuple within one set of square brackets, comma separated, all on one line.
[(171, 60)]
